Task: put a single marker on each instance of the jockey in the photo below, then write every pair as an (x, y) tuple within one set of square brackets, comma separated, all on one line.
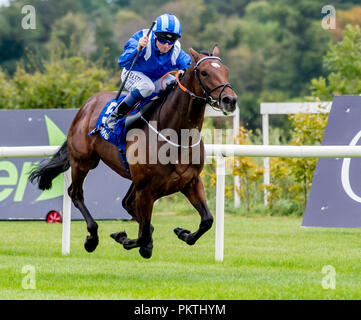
[(161, 53)]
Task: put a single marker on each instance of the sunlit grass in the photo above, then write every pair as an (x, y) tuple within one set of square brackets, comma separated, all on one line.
[(264, 258)]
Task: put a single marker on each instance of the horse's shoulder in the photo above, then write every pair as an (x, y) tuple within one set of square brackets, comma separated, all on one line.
[(99, 100)]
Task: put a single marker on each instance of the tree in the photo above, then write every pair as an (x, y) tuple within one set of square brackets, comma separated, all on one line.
[(248, 171), (14, 40), (64, 83), (300, 45), (70, 32), (230, 7), (343, 60), (345, 17), (188, 12)]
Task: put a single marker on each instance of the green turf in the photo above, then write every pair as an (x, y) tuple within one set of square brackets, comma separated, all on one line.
[(264, 258)]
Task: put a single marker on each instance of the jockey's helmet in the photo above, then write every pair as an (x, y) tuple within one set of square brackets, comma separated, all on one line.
[(167, 26)]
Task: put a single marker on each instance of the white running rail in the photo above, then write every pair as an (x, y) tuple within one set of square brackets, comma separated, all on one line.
[(220, 151)]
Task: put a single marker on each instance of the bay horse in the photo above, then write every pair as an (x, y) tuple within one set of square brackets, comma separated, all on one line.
[(205, 81)]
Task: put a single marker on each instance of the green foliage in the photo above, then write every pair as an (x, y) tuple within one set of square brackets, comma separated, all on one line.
[(14, 41), (291, 178), (229, 33), (273, 48), (258, 11), (230, 7), (126, 23), (246, 169), (6, 90), (287, 207), (343, 60), (64, 83), (70, 32), (188, 13)]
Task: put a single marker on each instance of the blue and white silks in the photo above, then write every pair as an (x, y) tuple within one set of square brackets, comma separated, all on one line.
[(150, 61)]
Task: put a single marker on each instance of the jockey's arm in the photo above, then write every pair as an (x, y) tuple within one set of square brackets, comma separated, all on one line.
[(130, 50)]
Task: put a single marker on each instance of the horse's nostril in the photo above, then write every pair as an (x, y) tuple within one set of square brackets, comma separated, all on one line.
[(231, 100), (226, 100)]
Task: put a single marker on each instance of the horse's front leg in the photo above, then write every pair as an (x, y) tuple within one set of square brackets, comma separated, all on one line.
[(196, 195), (144, 206)]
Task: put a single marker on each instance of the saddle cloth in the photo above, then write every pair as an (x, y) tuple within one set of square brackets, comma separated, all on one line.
[(118, 136)]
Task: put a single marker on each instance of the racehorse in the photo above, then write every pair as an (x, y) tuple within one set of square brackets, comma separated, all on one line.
[(205, 81)]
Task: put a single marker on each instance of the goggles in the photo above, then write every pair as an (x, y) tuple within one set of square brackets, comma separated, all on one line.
[(164, 40)]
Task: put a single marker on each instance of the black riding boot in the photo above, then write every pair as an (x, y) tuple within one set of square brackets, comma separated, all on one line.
[(117, 113)]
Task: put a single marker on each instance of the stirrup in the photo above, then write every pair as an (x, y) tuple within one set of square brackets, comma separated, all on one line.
[(111, 122), (115, 116)]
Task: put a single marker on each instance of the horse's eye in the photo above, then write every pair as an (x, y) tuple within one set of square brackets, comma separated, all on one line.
[(204, 74)]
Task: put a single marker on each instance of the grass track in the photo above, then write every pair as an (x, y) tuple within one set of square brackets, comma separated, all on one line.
[(265, 258)]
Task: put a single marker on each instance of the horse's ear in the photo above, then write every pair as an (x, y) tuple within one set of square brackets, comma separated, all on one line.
[(195, 54), (216, 51)]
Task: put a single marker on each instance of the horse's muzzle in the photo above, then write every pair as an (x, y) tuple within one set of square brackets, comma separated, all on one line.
[(229, 103)]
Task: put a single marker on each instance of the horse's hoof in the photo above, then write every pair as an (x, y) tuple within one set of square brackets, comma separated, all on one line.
[(145, 252), (91, 242), (119, 236), (182, 233), (191, 241)]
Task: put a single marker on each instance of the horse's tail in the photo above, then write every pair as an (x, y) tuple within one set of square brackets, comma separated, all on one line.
[(48, 170)]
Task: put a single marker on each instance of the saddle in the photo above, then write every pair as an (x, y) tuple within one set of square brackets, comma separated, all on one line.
[(143, 109), (132, 120)]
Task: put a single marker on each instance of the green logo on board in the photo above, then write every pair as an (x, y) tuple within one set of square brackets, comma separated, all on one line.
[(14, 184)]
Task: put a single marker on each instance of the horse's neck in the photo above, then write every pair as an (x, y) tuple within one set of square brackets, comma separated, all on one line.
[(180, 111)]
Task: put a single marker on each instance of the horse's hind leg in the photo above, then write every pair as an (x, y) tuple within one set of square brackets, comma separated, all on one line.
[(129, 204), (76, 193), (195, 194), (143, 206)]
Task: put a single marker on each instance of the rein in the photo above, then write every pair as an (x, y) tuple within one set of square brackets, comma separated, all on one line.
[(159, 134), (169, 141)]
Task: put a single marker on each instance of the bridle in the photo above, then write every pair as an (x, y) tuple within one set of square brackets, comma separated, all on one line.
[(208, 99), (207, 93)]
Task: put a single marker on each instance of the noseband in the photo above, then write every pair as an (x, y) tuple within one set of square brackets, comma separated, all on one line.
[(207, 93)]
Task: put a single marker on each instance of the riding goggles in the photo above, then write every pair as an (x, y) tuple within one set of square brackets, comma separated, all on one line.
[(164, 40)]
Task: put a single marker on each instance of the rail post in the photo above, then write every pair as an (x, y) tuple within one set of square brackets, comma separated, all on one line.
[(66, 214), (221, 182)]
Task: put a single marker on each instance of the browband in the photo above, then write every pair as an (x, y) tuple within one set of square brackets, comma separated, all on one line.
[(206, 58)]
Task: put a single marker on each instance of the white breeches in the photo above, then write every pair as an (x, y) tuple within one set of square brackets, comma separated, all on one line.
[(138, 80)]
